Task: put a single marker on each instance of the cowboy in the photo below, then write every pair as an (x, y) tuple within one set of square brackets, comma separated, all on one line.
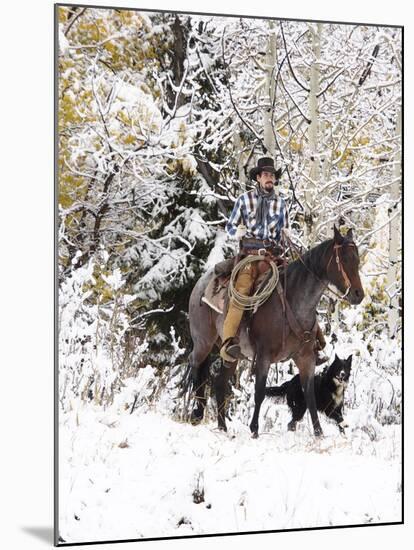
[(258, 219)]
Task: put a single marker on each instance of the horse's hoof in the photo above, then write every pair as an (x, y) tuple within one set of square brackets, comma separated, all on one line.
[(291, 427), (222, 428), (319, 433), (255, 435)]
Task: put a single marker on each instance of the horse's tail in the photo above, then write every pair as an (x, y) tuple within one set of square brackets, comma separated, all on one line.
[(277, 391)]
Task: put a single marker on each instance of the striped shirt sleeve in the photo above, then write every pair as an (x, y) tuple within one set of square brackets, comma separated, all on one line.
[(235, 217)]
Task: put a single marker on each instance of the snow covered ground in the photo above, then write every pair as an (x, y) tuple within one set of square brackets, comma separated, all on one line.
[(147, 475)]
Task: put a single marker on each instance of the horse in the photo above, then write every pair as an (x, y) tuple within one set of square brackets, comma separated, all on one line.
[(283, 328)]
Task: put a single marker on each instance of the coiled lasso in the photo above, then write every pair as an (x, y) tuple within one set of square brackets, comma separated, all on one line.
[(252, 303)]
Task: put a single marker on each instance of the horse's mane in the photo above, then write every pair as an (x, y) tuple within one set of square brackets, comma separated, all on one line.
[(311, 260)]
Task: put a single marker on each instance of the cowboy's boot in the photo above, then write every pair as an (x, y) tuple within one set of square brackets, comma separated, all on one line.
[(230, 350)]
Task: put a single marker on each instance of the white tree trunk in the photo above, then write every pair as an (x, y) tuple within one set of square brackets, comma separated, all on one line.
[(394, 236), (269, 92), (238, 151), (314, 171)]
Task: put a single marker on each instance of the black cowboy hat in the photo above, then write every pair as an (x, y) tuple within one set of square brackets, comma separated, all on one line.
[(265, 164)]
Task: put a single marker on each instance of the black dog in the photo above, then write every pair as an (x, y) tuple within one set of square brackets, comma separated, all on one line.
[(329, 393)]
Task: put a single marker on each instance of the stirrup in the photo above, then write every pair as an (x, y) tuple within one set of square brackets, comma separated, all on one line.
[(230, 350)]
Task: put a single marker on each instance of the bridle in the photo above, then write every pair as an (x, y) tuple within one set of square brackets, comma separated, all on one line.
[(340, 267)]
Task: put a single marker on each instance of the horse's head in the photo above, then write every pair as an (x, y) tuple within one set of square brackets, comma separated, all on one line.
[(342, 268)]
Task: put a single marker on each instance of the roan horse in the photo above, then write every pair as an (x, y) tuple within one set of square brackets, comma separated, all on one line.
[(284, 327)]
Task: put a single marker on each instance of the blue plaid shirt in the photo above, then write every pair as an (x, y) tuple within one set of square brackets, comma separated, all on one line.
[(244, 211)]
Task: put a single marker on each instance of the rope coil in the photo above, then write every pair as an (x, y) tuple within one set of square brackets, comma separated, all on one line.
[(252, 303)]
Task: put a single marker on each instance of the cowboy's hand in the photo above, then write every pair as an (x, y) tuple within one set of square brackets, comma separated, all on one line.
[(240, 232)]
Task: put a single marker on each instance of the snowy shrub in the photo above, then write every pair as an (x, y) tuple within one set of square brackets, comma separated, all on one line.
[(91, 336)]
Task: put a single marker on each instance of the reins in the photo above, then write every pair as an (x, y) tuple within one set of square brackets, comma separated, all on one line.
[(304, 336)]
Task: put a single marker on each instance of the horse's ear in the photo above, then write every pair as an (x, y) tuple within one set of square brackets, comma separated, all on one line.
[(337, 235), (350, 235)]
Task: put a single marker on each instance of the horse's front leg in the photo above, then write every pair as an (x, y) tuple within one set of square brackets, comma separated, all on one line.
[(306, 365), (261, 370)]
